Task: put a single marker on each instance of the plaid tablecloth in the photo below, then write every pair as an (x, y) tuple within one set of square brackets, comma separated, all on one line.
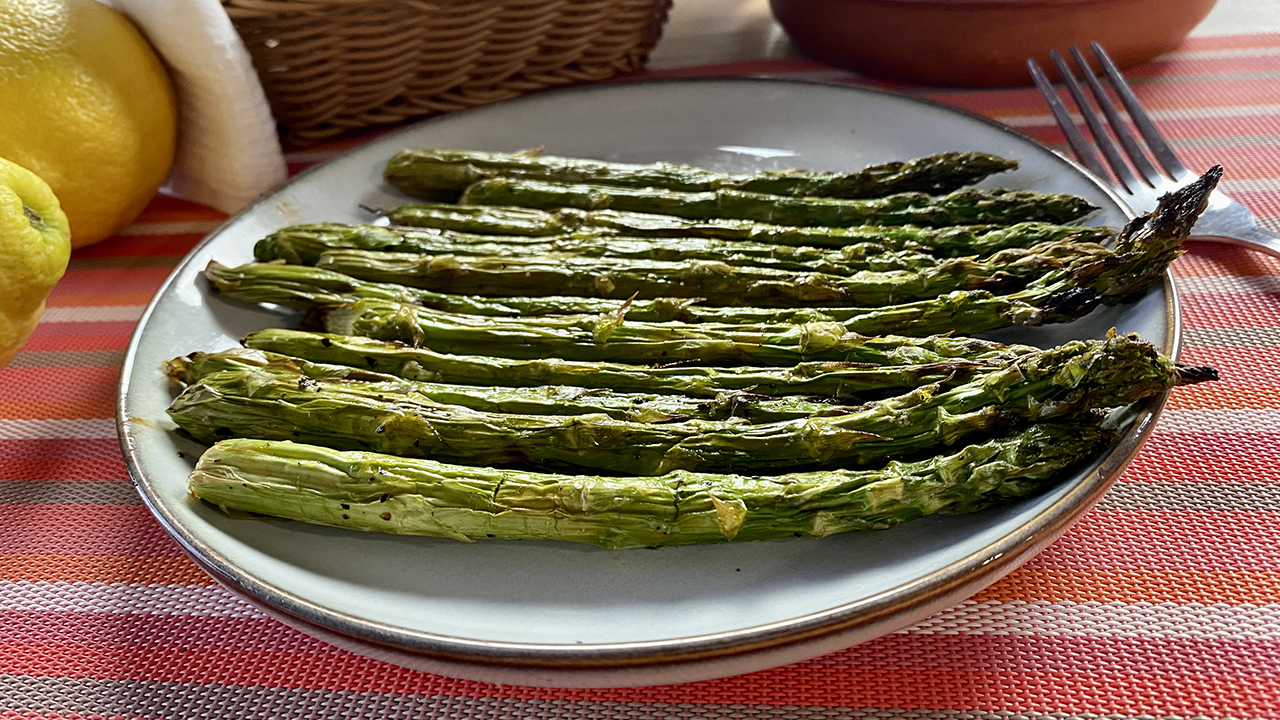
[(1164, 601)]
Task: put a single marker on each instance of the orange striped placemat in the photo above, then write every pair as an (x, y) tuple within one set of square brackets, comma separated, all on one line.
[(1163, 602)]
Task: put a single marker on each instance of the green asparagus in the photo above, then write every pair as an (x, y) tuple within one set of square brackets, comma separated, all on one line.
[(954, 241), (826, 379), (383, 493), (538, 400), (610, 338), (443, 174), (303, 287), (713, 282), (1070, 379), (961, 207), (303, 244)]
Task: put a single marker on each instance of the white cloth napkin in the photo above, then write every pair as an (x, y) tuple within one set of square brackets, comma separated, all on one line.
[(228, 151)]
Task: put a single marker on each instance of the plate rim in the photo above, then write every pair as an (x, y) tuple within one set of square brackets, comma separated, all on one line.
[(993, 561)]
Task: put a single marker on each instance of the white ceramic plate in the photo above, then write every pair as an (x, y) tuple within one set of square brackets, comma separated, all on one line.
[(560, 614)]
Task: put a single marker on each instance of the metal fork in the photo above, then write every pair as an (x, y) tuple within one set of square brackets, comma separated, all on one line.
[(1142, 185)]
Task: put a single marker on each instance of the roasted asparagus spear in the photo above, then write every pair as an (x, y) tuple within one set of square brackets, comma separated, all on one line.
[(302, 286), (1070, 379), (714, 282), (303, 244), (443, 174), (961, 207), (827, 379), (384, 493), (954, 241), (610, 338), (536, 400)]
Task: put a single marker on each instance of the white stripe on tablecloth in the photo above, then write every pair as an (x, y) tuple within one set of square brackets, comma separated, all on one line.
[(127, 598), (1111, 619), (92, 313), (74, 429), (1234, 420)]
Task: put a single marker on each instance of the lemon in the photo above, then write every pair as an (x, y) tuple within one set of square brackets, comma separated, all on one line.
[(88, 107), (35, 243)]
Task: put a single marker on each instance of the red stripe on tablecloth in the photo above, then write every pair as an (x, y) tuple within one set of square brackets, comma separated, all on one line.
[(89, 338), (85, 530), (45, 451), (1262, 204), (834, 681), (1246, 310), (1196, 457), (117, 280), (1238, 366), (1207, 259), (166, 208), (1167, 540), (1228, 393), (64, 469), (175, 245)]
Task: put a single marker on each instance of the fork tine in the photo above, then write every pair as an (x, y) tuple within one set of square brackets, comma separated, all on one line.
[(1163, 153), (1118, 127), (1100, 137), (1078, 144)]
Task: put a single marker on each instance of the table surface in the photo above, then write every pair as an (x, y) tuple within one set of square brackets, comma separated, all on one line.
[(1162, 602)]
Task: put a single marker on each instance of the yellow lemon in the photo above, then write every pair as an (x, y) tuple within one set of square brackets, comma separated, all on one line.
[(88, 107), (34, 246)]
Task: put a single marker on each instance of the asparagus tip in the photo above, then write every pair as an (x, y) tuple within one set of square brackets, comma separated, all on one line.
[(1192, 374)]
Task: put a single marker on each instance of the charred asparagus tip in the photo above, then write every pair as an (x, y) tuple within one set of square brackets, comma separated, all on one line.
[(1192, 374)]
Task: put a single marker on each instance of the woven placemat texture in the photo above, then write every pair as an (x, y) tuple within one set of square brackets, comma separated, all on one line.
[(1164, 601)]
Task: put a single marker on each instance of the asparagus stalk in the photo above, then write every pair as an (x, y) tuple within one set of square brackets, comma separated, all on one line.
[(539, 400), (961, 207), (304, 287), (827, 379), (609, 338), (1060, 382), (714, 282), (954, 241), (304, 244), (384, 493), (443, 174)]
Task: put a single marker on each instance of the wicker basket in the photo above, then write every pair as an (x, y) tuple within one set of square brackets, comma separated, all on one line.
[(329, 66)]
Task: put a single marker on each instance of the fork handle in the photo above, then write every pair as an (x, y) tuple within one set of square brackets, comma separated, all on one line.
[(1254, 238)]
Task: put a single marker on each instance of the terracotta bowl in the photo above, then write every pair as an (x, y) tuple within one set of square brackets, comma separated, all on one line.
[(979, 43)]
